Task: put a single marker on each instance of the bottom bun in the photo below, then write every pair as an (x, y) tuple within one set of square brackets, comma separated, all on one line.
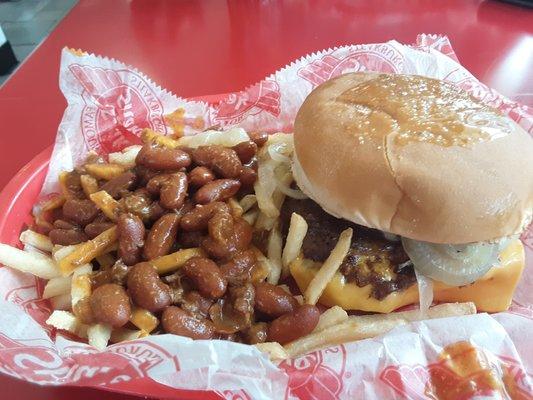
[(491, 293)]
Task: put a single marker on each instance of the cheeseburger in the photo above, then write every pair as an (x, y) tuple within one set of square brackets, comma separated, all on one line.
[(433, 182)]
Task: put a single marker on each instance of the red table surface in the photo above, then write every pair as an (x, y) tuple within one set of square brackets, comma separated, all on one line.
[(206, 47)]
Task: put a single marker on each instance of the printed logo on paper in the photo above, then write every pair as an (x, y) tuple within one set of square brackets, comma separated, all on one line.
[(81, 364), (119, 104), (463, 372), (378, 58), (317, 375), (265, 96)]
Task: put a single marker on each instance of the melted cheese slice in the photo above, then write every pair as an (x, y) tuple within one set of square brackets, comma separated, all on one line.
[(491, 293)]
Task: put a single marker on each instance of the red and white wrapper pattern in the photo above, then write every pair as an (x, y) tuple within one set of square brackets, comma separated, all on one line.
[(109, 103)]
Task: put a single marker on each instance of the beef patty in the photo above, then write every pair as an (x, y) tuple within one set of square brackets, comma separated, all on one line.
[(371, 260)]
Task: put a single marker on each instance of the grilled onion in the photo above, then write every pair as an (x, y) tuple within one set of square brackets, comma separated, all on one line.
[(455, 265)]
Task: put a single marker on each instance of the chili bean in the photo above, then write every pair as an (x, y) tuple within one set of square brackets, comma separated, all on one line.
[(79, 211), (226, 236), (197, 218), (62, 224), (217, 190), (144, 174), (257, 333), (180, 322), (161, 237), (138, 203), (155, 183), (120, 185), (155, 211), (190, 239), (66, 237), (116, 274), (162, 158), (173, 191), (196, 304), (222, 161), (238, 269), (199, 176), (243, 234), (259, 138), (206, 277), (248, 176), (130, 238), (82, 309), (146, 289), (273, 301), (110, 304), (246, 151), (95, 228), (291, 326), (73, 184)]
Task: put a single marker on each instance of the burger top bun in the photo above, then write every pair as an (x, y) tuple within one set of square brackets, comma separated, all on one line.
[(413, 156)]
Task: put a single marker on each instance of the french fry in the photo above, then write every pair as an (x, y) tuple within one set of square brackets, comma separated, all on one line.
[(63, 176), (367, 326), (329, 267), (63, 320), (248, 201), (89, 184), (143, 319), (251, 216), (106, 203), (57, 286), (41, 242), (274, 255), (81, 283), (332, 316), (99, 335), (172, 262), (235, 208), (273, 350), (61, 302), (33, 263), (227, 138), (53, 203), (60, 252), (439, 311), (106, 171), (105, 260), (348, 331), (263, 222), (294, 241), (126, 157), (123, 334), (87, 251), (149, 135)]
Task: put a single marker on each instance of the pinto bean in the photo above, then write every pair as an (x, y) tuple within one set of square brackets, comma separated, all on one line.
[(273, 300), (223, 161), (180, 322), (161, 237), (292, 326), (217, 190), (110, 304), (79, 211), (130, 238), (119, 185), (162, 158), (66, 237), (146, 289), (206, 277), (199, 176), (245, 151)]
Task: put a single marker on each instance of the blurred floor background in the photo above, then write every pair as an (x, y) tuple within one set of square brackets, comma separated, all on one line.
[(26, 23)]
